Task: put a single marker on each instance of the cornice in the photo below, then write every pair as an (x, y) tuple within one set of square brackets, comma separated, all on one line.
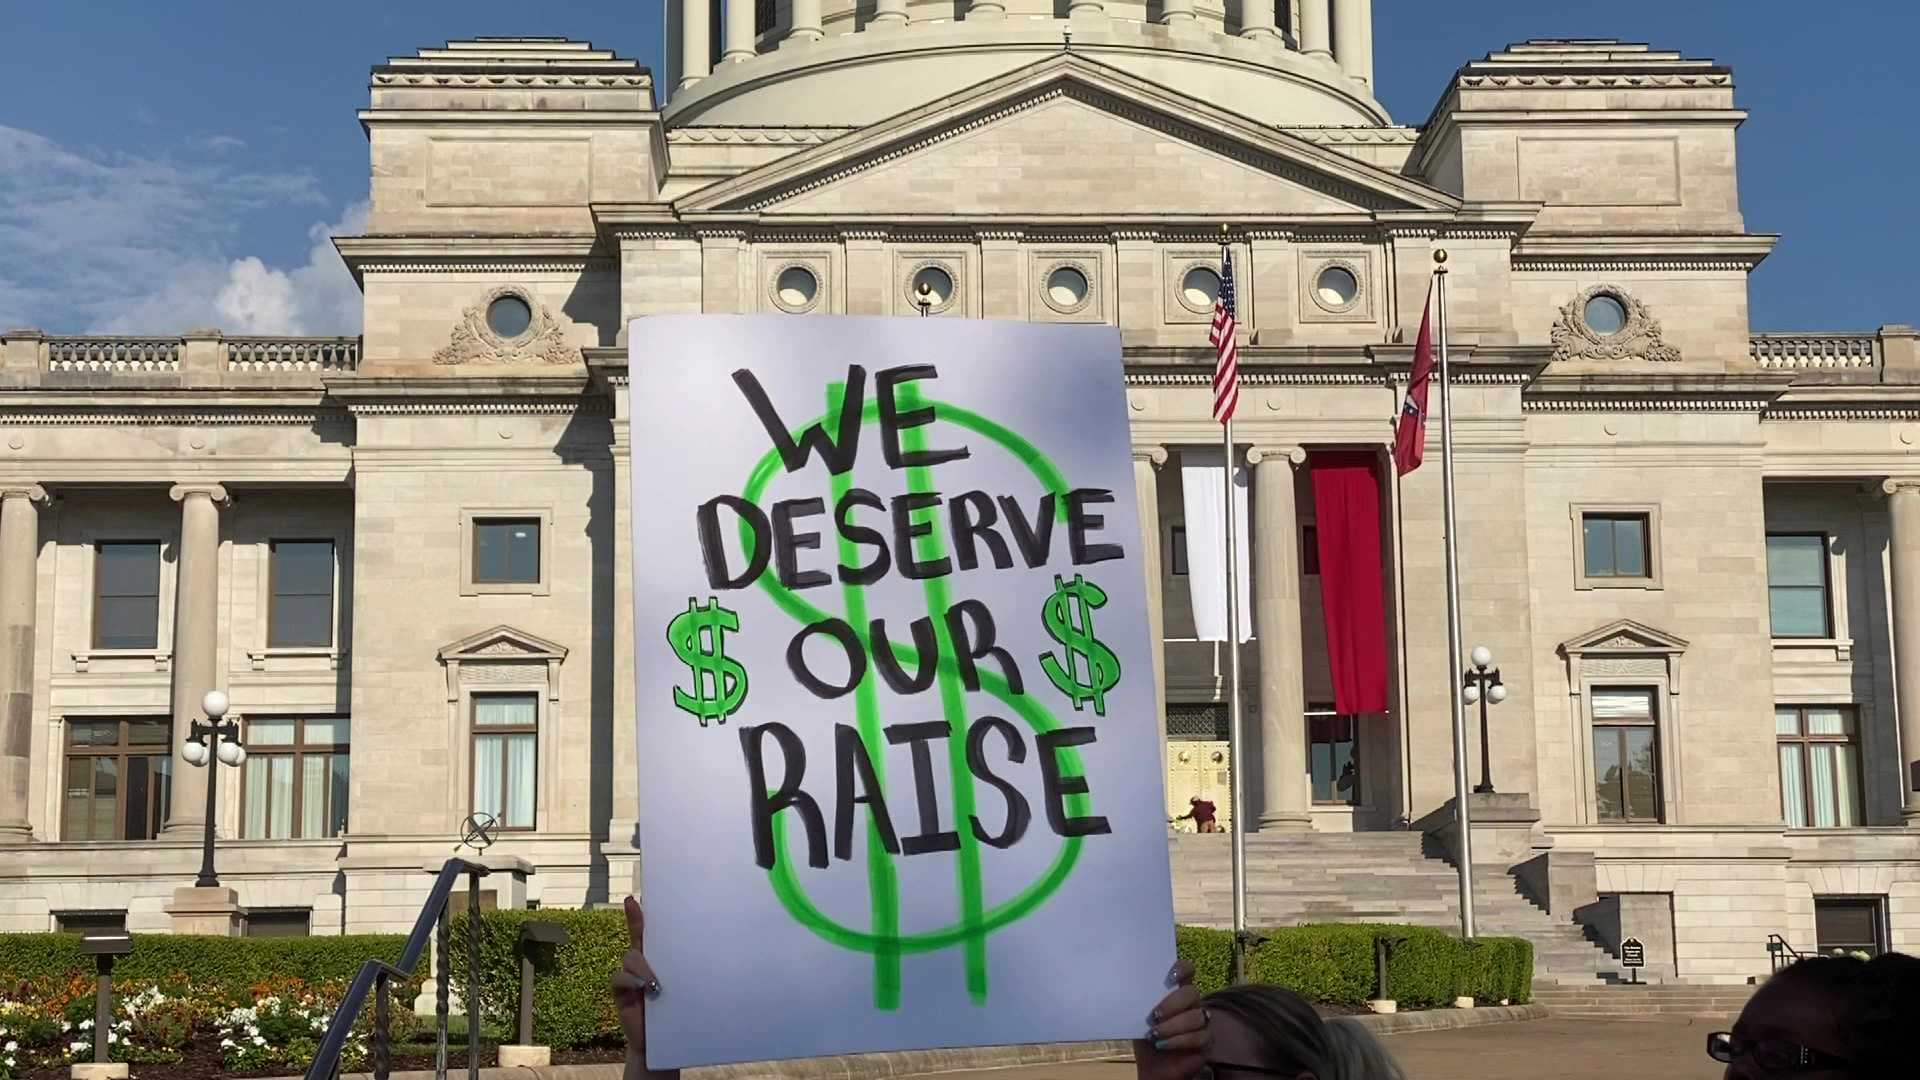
[(1596, 81), (750, 135), (1350, 136), (495, 78), (1654, 393), (164, 416)]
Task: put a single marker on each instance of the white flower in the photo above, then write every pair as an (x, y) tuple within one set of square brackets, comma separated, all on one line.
[(12, 1046), (226, 1043), (86, 1025)]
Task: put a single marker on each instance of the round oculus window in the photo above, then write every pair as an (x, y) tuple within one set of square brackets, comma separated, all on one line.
[(1336, 287), (1199, 288), (932, 286), (1605, 315), (509, 316), (1066, 287), (795, 288)]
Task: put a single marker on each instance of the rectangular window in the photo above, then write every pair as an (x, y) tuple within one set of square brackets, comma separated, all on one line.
[(300, 613), (104, 922), (1819, 766), (1177, 550), (119, 773), (505, 749), (1797, 586), (1333, 756), (1626, 755), (294, 782), (1615, 545), (506, 551), (279, 922), (1849, 924), (126, 595)]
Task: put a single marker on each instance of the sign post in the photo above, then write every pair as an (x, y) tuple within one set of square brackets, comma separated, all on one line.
[(899, 756), (1633, 957)]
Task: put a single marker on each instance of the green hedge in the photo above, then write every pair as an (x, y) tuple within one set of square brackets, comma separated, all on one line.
[(572, 1004), (1333, 963), (228, 964)]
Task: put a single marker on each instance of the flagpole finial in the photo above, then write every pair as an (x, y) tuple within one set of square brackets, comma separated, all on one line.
[(1440, 256), (1225, 228)]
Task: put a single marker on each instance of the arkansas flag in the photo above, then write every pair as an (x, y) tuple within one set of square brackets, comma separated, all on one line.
[(1410, 432)]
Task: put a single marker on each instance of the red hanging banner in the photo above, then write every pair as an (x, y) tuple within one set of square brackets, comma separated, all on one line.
[(1346, 502)]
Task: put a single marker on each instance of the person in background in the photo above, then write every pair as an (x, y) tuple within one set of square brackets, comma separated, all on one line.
[(1357, 1054), (1240, 1033), (1202, 814), (1825, 1018)]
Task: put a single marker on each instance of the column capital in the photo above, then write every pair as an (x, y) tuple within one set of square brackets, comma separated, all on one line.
[(1154, 455), (216, 492), (33, 493), (1263, 452), (1894, 485)]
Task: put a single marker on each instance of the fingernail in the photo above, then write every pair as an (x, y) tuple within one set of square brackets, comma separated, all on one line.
[(1153, 1017), (652, 989), (1159, 1044), (1173, 975)]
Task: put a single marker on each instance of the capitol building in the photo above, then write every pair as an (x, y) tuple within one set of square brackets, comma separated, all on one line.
[(1692, 550)]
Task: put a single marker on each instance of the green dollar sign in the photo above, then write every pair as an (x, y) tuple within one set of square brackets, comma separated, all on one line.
[(1103, 668), (699, 638)]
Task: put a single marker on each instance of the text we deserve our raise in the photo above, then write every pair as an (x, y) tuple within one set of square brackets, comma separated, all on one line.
[(974, 525)]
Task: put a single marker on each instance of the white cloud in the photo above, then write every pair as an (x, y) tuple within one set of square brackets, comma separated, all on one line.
[(114, 242)]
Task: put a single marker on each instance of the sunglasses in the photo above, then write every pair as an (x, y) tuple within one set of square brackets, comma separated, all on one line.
[(1773, 1055), (1221, 1070)]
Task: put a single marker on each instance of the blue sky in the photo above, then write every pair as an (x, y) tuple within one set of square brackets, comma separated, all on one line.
[(180, 164)]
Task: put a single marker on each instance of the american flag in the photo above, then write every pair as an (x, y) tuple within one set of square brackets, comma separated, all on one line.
[(1226, 368)]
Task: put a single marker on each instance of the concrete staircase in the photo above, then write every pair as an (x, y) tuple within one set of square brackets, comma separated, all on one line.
[(1626, 1001), (1372, 877)]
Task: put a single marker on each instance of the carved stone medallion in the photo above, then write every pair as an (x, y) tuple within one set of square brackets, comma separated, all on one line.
[(1637, 339), (474, 342)]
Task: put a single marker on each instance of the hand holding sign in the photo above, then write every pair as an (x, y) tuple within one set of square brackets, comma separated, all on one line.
[(899, 756), (634, 985)]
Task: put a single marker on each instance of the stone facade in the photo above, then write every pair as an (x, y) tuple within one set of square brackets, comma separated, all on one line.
[(1585, 193)]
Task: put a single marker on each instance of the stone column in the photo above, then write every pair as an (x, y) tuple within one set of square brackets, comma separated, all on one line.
[(1146, 491), (1086, 9), (1903, 518), (19, 571), (737, 44), (1173, 11), (1275, 524), (196, 608), (888, 13), (806, 22), (1349, 36), (624, 814), (987, 9), (696, 42), (1314, 33), (1256, 19)]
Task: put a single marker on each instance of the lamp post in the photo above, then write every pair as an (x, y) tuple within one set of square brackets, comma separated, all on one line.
[(196, 751), (923, 298), (1483, 685)]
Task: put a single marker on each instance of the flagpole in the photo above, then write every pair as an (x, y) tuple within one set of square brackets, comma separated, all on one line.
[(1236, 774), (1461, 818)]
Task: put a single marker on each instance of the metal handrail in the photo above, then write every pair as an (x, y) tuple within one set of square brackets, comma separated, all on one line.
[(1777, 947), (376, 975)]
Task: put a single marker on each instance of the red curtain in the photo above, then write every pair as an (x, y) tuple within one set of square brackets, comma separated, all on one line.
[(1346, 501)]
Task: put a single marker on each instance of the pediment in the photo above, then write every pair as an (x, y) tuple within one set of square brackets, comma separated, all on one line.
[(1623, 636), (1066, 137), (502, 643)]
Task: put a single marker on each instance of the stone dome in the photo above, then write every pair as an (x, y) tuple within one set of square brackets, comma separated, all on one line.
[(846, 63)]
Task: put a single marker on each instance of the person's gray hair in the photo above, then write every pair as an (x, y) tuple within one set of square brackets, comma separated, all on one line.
[(1357, 1054)]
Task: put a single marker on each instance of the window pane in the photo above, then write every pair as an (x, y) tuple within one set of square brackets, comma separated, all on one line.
[(301, 622), (1177, 550), (127, 569), (280, 797), (506, 551), (337, 796), (1616, 704), (1796, 560), (139, 795), (1630, 547), (1608, 782), (256, 799), (487, 751), (1847, 924), (93, 732), (325, 731), (302, 568), (127, 622), (1786, 721), (106, 799), (1829, 721), (79, 811), (1793, 792), (520, 782), (1643, 773), (273, 731), (149, 732), (313, 795), (1797, 612), (1846, 786), (496, 710), (1597, 534)]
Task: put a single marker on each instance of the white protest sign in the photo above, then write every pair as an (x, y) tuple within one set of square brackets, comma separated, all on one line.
[(900, 775)]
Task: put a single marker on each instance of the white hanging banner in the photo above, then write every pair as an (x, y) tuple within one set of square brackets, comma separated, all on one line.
[(1207, 543), (899, 761)]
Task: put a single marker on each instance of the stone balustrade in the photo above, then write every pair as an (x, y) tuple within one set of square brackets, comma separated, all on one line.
[(115, 354), (1839, 351), (293, 353), (196, 356)]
